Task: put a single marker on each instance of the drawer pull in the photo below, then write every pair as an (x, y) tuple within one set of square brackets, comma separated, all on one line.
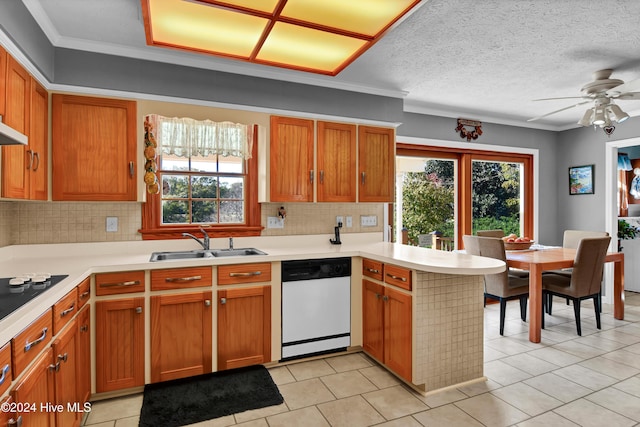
[(402, 279), (207, 303), (385, 298), (41, 338), (378, 296), (30, 153), (223, 300), (131, 169), (63, 357), (138, 310), (373, 270), (84, 295), (15, 423), (311, 176), (120, 284), (247, 274), (322, 177), (363, 177), (84, 328), (54, 368), (68, 310), (183, 279), (36, 156), (5, 371)]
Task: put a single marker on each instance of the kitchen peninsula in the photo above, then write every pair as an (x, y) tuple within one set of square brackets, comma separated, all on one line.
[(444, 291)]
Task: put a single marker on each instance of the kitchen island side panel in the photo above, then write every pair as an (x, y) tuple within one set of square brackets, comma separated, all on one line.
[(449, 330)]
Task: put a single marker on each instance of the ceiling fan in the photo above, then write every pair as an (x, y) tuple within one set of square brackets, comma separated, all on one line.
[(602, 91)]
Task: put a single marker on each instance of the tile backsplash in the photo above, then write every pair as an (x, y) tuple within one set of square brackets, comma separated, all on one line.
[(24, 223)]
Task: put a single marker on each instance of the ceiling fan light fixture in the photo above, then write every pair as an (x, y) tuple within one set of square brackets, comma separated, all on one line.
[(586, 119), (619, 115), (598, 117)]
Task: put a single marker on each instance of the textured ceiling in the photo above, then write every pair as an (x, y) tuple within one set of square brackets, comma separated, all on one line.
[(484, 60)]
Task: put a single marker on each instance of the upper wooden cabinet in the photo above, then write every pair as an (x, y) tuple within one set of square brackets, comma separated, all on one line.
[(336, 162), (291, 160), (37, 153), (93, 149), (376, 157), (3, 77)]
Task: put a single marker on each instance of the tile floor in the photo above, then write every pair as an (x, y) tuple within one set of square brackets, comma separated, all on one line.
[(566, 380)]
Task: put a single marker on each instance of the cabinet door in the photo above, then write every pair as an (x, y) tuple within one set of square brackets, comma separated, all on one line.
[(17, 105), (397, 332), (291, 160), (376, 156), (373, 319), (65, 380), (36, 387), (336, 162), (83, 367), (38, 150), (93, 149), (3, 79), (244, 327), (181, 335), (119, 344)]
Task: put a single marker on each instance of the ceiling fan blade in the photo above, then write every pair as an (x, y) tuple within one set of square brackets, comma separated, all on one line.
[(628, 96), (557, 111), (632, 86), (563, 97)]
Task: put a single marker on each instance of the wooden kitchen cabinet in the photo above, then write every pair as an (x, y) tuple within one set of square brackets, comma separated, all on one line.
[(3, 80), (26, 345), (124, 282), (291, 160), (84, 292), (373, 319), (83, 367), (35, 387), (376, 160), (397, 332), (119, 344), (336, 162), (93, 149), (37, 153), (6, 416), (244, 326), (64, 367), (180, 278), (64, 309), (17, 113), (5, 368), (181, 335), (235, 274)]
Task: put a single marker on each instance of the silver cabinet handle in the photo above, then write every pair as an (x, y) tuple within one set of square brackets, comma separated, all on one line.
[(15, 423), (36, 155), (207, 303), (131, 169), (138, 310), (84, 328), (321, 177), (363, 179), (84, 295), (385, 298), (223, 300), (38, 340), (248, 274), (373, 270), (311, 176), (119, 284), (30, 153), (5, 371), (68, 310), (378, 296), (54, 368), (402, 279), (63, 357), (183, 279)]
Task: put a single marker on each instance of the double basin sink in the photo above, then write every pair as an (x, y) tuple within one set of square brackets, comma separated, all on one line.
[(198, 254)]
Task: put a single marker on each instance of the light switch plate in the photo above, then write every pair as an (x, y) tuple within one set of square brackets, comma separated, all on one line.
[(339, 220), (369, 220), (112, 224), (275, 222), (349, 222)]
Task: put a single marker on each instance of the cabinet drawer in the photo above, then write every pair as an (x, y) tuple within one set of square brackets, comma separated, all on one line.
[(244, 273), (178, 278), (27, 344), (84, 292), (5, 368), (373, 269), (398, 276), (64, 310), (119, 283)]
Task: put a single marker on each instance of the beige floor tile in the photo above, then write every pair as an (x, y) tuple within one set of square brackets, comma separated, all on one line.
[(401, 422), (491, 411), (380, 377), (622, 337), (555, 356), (529, 364), (631, 386), (255, 423), (394, 402), (122, 407), (527, 399), (349, 362), (305, 417), (550, 419), (585, 377), (443, 397), (609, 367), (635, 348), (103, 424), (305, 393), (558, 387), (347, 384), (624, 357), (225, 421), (254, 414), (449, 415), (128, 422), (479, 387), (492, 354), (580, 350), (281, 375), (312, 369), (350, 412), (507, 346), (617, 401), (588, 414), (598, 341), (503, 373)]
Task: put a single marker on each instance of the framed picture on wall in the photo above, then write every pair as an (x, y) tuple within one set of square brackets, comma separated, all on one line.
[(581, 179)]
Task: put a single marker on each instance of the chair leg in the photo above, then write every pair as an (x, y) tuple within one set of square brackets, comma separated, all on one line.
[(549, 303), (576, 310), (503, 309), (545, 299), (596, 305), (523, 308)]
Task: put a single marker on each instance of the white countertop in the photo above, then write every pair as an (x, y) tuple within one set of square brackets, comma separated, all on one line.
[(79, 260)]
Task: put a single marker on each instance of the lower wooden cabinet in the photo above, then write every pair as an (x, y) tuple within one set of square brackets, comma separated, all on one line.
[(181, 335), (37, 385), (244, 326), (83, 367), (387, 326), (65, 360), (119, 344)]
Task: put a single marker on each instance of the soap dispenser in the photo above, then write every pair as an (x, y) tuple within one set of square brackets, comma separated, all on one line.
[(336, 241)]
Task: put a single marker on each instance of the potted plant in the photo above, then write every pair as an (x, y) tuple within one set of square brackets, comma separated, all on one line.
[(626, 231)]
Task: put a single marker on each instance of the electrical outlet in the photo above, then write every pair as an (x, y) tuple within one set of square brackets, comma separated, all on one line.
[(112, 224), (339, 220), (349, 222), (369, 220), (275, 222)]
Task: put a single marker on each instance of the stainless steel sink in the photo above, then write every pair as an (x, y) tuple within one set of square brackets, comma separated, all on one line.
[(166, 256), (236, 252)]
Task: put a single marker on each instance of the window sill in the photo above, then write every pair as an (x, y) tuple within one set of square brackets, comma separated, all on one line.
[(214, 232)]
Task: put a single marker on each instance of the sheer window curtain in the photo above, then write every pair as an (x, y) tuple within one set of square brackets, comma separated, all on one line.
[(624, 165), (186, 137)]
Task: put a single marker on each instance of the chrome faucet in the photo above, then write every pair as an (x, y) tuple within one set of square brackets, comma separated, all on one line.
[(205, 240), (230, 243)]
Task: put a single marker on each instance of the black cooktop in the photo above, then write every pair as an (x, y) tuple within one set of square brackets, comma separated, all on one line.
[(9, 301)]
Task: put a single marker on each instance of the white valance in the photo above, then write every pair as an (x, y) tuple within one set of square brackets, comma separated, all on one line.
[(186, 137)]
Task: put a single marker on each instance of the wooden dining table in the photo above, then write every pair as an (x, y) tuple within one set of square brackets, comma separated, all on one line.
[(537, 261)]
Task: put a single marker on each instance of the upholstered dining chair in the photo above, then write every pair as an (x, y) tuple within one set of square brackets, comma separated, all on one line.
[(490, 233), (501, 286), (584, 281)]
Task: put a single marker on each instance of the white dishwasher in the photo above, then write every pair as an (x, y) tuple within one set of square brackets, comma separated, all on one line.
[(316, 306)]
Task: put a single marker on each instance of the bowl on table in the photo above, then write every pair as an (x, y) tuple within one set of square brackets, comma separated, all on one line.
[(517, 246)]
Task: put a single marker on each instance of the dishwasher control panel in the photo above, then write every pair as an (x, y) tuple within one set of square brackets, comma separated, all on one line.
[(316, 269)]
